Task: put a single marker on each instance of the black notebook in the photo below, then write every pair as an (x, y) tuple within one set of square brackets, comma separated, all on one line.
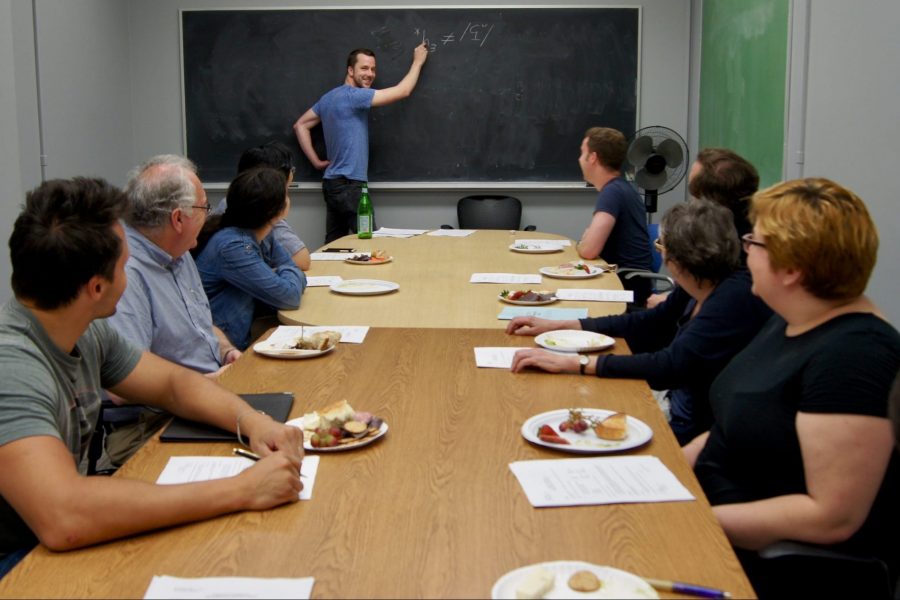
[(276, 405)]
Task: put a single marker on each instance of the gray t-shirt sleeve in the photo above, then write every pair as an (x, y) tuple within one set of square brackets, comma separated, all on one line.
[(285, 236), (28, 405), (118, 356)]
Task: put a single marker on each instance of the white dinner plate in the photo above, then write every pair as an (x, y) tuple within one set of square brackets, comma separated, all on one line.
[(357, 443), (364, 287), (615, 582), (574, 340), (528, 302), (277, 350), (571, 273), (374, 261), (586, 442), (526, 248)]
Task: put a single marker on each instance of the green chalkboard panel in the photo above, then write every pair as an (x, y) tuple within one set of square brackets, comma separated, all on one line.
[(742, 80), (506, 94)]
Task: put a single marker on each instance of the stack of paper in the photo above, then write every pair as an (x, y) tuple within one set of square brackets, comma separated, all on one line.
[(164, 587)]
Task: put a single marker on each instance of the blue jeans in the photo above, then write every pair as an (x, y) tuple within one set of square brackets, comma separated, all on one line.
[(11, 560)]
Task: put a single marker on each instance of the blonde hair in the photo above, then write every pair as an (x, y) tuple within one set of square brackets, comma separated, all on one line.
[(822, 229)]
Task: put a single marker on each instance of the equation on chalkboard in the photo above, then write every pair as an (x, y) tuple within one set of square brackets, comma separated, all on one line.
[(505, 95)]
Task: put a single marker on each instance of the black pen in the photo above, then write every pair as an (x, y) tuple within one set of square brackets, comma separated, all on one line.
[(252, 456)]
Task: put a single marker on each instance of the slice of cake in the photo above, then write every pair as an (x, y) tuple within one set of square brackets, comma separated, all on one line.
[(613, 427)]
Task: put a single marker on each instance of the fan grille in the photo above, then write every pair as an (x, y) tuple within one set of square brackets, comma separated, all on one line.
[(651, 146)]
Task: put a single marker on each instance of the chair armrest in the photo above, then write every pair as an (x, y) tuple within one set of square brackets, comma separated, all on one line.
[(789, 548), (446, 226), (530, 228)]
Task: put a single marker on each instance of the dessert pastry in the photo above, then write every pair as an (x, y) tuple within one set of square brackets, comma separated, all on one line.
[(613, 427), (584, 581), (535, 584)]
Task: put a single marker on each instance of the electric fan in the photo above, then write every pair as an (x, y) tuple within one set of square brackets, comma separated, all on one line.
[(657, 160)]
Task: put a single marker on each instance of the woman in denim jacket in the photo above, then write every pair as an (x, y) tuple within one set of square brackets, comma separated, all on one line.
[(245, 271)]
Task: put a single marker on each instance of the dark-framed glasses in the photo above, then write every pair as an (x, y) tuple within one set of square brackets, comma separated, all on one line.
[(205, 207), (747, 240)]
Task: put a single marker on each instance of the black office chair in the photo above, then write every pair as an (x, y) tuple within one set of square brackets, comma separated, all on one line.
[(799, 569), (489, 212), (661, 283)]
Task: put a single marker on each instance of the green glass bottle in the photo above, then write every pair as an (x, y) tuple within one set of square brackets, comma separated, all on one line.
[(364, 215)]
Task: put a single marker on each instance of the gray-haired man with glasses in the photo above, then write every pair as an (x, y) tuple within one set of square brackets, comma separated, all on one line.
[(164, 308)]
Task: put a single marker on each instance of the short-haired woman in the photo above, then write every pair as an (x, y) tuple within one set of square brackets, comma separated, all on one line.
[(682, 344), (242, 265), (801, 444)]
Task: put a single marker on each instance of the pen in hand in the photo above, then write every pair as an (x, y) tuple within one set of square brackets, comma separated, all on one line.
[(252, 456)]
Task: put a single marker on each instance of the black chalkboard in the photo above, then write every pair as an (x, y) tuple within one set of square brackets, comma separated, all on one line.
[(506, 94)]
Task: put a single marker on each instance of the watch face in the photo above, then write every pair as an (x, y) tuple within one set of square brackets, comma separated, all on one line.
[(584, 360)]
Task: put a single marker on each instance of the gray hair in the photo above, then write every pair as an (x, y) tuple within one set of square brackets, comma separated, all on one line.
[(158, 187), (700, 236)]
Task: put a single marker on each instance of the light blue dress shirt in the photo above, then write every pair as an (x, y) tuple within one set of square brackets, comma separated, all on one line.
[(164, 308)]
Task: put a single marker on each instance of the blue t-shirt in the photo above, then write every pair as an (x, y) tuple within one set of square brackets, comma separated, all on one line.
[(628, 244), (344, 112)]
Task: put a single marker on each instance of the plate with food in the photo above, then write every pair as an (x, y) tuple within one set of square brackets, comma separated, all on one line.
[(528, 297), (376, 257), (527, 247), (339, 427), (576, 270), (570, 579), (364, 287), (586, 430), (316, 344), (574, 340)]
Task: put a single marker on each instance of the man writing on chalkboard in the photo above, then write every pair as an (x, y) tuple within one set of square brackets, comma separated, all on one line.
[(344, 115)]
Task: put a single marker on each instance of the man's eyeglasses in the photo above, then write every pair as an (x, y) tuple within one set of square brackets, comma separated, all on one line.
[(747, 240), (205, 207)]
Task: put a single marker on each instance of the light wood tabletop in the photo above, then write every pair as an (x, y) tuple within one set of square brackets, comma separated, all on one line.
[(433, 274), (431, 509)]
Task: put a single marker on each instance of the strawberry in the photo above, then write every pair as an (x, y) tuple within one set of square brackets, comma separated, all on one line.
[(546, 430), (552, 439)]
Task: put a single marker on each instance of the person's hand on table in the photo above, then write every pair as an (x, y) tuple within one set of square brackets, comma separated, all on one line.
[(268, 436), (532, 326), (546, 361), (273, 480)]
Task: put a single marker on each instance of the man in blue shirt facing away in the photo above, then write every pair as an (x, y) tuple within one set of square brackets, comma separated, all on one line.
[(164, 308), (344, 115), (618, 230)]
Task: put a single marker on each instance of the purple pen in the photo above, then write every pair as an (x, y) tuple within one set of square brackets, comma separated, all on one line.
[(687, 588)]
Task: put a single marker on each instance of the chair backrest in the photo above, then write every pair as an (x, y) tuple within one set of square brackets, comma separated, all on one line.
[(655, 256), (489, 212)]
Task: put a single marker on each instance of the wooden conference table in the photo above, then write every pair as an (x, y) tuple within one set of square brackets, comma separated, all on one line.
[(431, 509), (433, 273)]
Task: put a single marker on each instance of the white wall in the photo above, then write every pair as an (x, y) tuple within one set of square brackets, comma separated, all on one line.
[(157, 105), (10, 178), (853, 119)]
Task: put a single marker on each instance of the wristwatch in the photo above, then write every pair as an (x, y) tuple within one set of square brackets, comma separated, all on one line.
[(583, 361)]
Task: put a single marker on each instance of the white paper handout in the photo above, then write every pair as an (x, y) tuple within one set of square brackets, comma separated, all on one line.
[(604, 480), (596, 295), (504, 278), (187, 469), (451, 232), (335, 256), (400, 233), (546, 243), (495, 358), (164, 587), (323, 280), (350, 334)]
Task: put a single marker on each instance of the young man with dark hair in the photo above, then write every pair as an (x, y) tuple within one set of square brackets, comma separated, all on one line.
[(57, 353), (618, 229)]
